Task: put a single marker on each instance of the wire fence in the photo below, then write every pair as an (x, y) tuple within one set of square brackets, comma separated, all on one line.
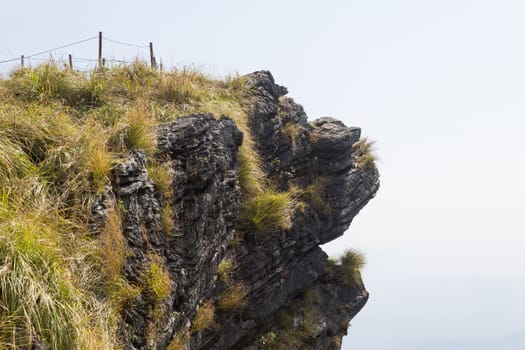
[(90, 62)]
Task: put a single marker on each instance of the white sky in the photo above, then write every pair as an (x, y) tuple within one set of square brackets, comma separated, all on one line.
[(439, 84)]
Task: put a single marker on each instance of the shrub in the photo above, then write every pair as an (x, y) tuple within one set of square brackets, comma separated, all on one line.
[(204, 318)]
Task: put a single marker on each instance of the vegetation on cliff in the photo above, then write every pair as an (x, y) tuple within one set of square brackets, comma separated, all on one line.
[(62, 134)]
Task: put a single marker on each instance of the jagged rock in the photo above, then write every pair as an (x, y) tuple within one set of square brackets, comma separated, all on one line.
[(276, 268)]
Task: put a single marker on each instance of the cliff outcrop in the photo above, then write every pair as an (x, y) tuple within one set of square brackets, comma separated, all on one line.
[(207, 224), (280, 272)]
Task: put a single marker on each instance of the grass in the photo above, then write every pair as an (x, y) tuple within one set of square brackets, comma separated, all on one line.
[(316, 195), (364, 154), (162, 176), (353, 259), (61, 133), (156, 279), (39, 298), (135, 130), (351, 262), (112, 246), (224, 270), (293, 326), (292, 131), (268, 211), (204, 318), (179, 342), (168, 224), (233, 298), (14, 162), (48, 83)]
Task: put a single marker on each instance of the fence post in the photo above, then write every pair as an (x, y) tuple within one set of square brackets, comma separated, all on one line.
[(22, 60), (100, 63), (151, 56), (70, 63)]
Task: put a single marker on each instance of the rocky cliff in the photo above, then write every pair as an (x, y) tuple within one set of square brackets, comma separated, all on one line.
[(232, 282), (145, 209)]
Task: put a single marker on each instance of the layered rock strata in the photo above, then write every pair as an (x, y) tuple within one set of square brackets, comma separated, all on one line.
[(283, 272)]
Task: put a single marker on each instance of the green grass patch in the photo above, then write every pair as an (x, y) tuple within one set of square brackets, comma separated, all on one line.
[(268, 211), (44, 277), (156, 279)]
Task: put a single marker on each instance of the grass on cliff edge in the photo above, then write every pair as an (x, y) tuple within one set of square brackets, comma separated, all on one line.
[(61, 133)]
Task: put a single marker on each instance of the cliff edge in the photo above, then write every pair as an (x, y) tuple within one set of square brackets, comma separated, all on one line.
[(209, 239)]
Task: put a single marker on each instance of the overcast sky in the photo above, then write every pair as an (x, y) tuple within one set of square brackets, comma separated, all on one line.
[(439, 84)]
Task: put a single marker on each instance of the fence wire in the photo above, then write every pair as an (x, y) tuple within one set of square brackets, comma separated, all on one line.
[(51, 59)]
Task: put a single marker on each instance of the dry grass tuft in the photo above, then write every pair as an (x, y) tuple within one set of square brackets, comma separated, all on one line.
[(204, 318), (168, 224), (136, 130), (351, 262), (162, 176), (316, 195), (224, 270), (364, 154), (180, 341), (233, 298)]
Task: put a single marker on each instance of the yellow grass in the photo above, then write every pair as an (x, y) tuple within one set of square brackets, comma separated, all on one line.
[(204, 318)]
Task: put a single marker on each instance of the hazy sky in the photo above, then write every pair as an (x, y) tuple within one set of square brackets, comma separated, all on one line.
[(439, 84)]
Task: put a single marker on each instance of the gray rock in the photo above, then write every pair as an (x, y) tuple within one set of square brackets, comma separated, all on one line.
[(276, 267)]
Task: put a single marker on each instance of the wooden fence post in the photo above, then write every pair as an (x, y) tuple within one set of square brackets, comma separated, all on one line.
[(152, 56), (100, 63), (22, 60), (70, 63)]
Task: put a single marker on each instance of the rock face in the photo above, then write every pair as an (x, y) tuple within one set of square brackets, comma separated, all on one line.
[(283, 273)]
